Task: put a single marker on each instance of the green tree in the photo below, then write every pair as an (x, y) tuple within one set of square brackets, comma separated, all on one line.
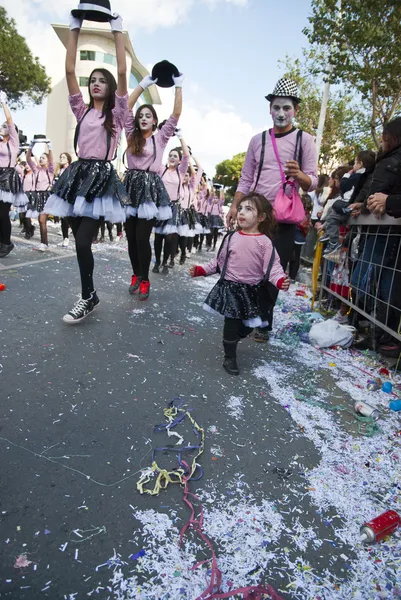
[(346, 128), (228, 173), (21, 74), (363, 42)]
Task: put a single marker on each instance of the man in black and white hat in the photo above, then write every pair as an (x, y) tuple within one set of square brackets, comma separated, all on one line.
[(261, 172)]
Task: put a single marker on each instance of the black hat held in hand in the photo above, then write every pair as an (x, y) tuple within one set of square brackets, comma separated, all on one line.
[(164, 71), (94, 10)]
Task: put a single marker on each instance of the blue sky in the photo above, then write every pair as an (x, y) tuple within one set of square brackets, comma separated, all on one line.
[(228, 49)]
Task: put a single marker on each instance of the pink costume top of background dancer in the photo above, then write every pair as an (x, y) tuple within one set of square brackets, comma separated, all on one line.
[(270, 178), (204, 204), (146, 160), (13, 144), (92, 139), (249, 257), (215, 206), (28, 179), (189, 190), (173, 179), (43, 177)]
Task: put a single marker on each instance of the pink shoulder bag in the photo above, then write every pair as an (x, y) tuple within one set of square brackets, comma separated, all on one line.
[(287, 209)]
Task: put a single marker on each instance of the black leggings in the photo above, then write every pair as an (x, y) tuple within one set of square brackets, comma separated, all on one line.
[(84, 230), (212, 237), (234, 331), (190, 243), (5, 223), (64, 227), (295, 261), (140, 253), (43, 228), (183, 244), (170, 247)]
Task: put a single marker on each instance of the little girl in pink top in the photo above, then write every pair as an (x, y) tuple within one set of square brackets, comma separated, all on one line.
[(215, 212), (90, 188), (246, 261), (149, 199), (189, 224)]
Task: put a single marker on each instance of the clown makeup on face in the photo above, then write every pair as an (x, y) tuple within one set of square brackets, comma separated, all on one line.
[(4, 130), (146, 120), (43, 160), (173, 159), (282, 111)]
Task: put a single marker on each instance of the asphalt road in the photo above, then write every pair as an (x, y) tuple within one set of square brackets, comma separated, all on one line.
[(78, 406)]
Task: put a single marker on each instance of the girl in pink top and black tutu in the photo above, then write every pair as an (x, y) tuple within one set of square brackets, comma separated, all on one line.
[(214, 213), (44, 175), (191, 183), (173, 178), (246, 262), (11, 191), (90, 188), (65, 161), (148, 197)]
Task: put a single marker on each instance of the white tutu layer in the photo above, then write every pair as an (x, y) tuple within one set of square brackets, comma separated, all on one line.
[(20, 199), (198, 229), (148, 211), (205, 230), (165, 229), (185, 231), (256, 322), (108, 207), (33, 214)]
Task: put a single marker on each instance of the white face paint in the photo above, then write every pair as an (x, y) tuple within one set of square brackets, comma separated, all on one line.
[(43, 160), (4, 130), (173, 158), (146, 120), (186, 178), (282, 111)]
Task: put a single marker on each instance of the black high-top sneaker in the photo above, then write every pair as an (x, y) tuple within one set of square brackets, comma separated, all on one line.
[(230, 357), (156, 268), (165, 269), (81, 309)]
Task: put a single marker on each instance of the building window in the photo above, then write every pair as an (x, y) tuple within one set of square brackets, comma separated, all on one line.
[(133, 82), (109, 59), (83, 81), (88, 55)]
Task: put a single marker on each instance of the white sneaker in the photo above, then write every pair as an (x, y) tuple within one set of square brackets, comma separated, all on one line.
[(65, 243), (342, 319), (42, 248)]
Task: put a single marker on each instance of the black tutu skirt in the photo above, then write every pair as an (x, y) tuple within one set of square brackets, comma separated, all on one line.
[(170, 225), (11, 191), (36, 204), (239, 301), (204, 222), (89, 188), (216, 222), (148, 198)]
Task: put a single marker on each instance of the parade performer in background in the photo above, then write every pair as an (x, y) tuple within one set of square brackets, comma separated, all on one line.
[(28, 185), (191, 185), (65, 161), (148, 198), (246, 261), (44, 175), (215, 212), (173, 177), (261, 172), (90, 188), (11, 191), (202, 208)]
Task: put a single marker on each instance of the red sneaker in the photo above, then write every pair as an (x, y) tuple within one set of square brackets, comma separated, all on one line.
[(135, 281), (144, 289)]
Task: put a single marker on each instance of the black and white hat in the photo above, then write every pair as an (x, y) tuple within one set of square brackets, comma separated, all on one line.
[(285, 88), (94, 10)]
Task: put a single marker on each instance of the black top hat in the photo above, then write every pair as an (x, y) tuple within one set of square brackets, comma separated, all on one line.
[(39, 136), (94, 10), (163, 71), (285, 88)]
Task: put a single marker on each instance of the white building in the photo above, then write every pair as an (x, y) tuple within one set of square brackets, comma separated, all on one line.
[(95, 49)]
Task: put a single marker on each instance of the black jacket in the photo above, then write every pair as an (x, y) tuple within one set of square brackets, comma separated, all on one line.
[(387, 174)]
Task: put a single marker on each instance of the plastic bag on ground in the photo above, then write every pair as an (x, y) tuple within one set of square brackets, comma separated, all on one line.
[(330, 333)]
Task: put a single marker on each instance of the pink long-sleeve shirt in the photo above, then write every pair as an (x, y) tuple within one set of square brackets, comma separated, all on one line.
[(13, 143), (147, 160), (190, 189), (215, 206), (270, 178), (28, 179), (43, 177), (173, 179), (248, 260), (92, 138)]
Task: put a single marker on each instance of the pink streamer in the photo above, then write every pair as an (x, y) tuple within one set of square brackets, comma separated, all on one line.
[(250, 592)]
